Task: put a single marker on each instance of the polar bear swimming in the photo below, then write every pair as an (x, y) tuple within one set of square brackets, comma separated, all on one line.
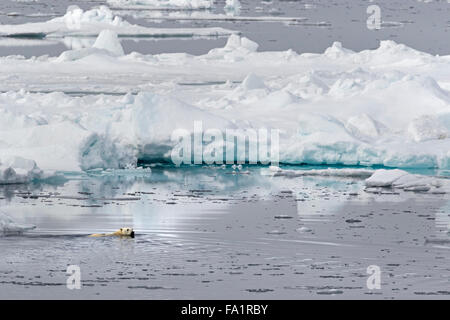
[(122, 232)]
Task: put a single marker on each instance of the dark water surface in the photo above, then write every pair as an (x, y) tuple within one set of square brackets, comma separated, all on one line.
[(215, 233)]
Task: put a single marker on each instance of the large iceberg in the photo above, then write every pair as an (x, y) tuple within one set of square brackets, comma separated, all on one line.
[(389, 106)]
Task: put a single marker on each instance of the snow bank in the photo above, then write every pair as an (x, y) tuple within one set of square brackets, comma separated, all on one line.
[(9, 226), (384, 178), (15, 170), (161, 4), (403, 180), (236, 42), (77, 22)]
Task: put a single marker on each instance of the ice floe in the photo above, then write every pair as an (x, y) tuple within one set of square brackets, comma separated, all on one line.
[(329, 172), (17, 170), (77, 22), (400, 179), (107, 43)]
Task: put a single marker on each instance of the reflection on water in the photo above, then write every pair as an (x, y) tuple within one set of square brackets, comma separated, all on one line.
[(213, 232)]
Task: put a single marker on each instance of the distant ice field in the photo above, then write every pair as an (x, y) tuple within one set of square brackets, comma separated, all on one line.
[(423, 25)]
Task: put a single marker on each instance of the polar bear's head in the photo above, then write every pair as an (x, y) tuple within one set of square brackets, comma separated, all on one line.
[(129, 232)]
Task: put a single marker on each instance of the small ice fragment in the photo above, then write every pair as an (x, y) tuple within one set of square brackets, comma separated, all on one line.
[(108, 40)]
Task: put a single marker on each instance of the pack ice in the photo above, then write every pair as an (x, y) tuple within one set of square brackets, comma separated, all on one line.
[(374, 179), (388, 106), (77, 22)]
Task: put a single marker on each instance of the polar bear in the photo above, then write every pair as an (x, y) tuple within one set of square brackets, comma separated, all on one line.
[(122, 232)]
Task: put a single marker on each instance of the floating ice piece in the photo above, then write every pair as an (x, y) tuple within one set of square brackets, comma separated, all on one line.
[(108, 40), (15, 170), (161, 4), (9, 226), (77, 22), (235, 42), (385, 178), (330, 172), (400, 179), (235, 49)]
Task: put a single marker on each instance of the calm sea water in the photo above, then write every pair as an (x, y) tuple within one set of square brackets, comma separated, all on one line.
[(214, 233)]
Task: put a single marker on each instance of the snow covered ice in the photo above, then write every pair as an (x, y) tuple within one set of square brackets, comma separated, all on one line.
[(388, 106), (400, 179)]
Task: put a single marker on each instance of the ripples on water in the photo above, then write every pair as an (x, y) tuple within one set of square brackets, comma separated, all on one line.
[(215, 233)]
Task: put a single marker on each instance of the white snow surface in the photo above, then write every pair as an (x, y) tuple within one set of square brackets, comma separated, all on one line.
[(389, 106), (77, 22)]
